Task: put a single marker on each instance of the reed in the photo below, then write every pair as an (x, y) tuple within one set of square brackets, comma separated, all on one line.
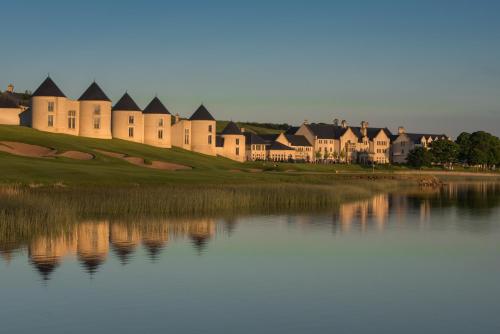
[(25, 211)]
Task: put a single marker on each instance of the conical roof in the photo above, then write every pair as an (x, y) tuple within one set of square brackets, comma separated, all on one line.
[(94, 93), (48, 88), (202, 114), (231, 129), (156, 107), (126, 103)]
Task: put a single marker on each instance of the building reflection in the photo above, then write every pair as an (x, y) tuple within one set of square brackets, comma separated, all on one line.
[(362, 214), (92, 242), (46, 253)]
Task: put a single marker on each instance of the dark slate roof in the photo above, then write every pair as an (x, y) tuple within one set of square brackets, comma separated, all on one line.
[(252, 139), (298, 140), (269, 138), (94, 93), (48, 88), (326, 131), (231, 129), (126, 103), (20, 99), (6, 101), (219, 141), (279, 146), (202, 114), (416, 137), (370, 132), (156, 107)]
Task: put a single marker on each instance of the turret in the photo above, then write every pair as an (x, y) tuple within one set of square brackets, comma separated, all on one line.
[(157, 124), (95, 113), (203, 131), (49, 109), (234, 142), (128, 121)]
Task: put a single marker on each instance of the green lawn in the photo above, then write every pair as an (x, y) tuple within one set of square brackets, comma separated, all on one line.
[(107, 170)]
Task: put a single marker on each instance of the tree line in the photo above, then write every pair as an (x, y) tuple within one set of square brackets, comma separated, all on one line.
[(479, 148)]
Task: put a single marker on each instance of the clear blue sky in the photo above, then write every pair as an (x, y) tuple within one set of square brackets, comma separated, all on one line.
[(429, 65)]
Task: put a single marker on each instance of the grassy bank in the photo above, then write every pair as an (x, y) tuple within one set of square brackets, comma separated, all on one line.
[(108, 171)]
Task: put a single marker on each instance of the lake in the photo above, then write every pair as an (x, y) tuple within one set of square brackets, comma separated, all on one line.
[(415, 261)]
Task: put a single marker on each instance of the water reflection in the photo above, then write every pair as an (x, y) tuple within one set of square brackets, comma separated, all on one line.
[(91, 242)]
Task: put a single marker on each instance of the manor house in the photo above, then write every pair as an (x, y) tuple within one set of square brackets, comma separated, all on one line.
[(94, 116)]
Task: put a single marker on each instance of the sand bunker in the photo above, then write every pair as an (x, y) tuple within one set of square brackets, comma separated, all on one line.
[(35, 151), (76, 155), (140, 161)]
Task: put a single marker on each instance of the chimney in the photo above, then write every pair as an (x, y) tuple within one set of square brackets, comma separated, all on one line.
[(401, 130), (242, 130), (10, 88), (344, 123), (306, 121), (336, 122), (364, 127), (176, 118)]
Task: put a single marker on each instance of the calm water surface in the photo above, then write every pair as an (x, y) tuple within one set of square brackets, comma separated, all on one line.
[(418, 262)]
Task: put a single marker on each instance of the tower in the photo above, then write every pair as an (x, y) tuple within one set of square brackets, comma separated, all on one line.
[(52, 111), (203, 131), (127, 120), (157, 124), (95, 113)]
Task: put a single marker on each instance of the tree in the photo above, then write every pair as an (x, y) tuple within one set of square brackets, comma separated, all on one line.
[(479, 148), (463, 141), (419, 157), (342, 155), (444, 151), (318, 155)]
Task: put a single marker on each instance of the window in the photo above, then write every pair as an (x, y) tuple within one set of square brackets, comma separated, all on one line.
[(210, 128), (50, 107), (50, 121), (160, 122), (131, 132), (237, 151), (160, 134), (237, 141), (210, 140), (97, 109), (186, 136), (97, 122), (131, 120), (71, 119)]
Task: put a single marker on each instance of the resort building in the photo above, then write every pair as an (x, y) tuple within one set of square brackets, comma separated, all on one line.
[(231, 143), (52, 111), (343, 143), (157, 124), (255, 147), (302, 147), (93, 115), (197, 133), (128, 121), (11, 106), (404, 142)]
